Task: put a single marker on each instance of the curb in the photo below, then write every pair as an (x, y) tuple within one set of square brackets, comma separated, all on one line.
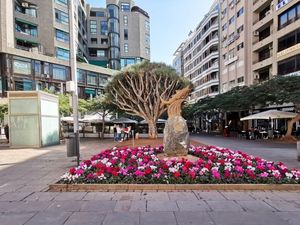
[(171, 187)]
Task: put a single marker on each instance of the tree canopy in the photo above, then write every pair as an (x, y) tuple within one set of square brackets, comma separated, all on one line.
[(138, 90)]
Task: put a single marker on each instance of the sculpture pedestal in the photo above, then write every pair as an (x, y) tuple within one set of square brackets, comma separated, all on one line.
[(176, 137)]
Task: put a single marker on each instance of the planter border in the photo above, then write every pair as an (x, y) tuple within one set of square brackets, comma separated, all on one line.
[(171, 187)]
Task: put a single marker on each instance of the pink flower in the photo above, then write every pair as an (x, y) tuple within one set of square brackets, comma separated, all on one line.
[(216, 174), (139, 173), (264, 174), (79, 172)]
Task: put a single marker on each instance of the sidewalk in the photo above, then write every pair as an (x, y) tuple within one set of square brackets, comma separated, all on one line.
[(26, 173)]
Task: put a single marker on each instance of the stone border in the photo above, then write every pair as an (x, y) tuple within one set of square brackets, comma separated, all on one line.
[(171, 187)]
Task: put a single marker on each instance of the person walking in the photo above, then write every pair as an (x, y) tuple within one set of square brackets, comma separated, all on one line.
[(119, 133)]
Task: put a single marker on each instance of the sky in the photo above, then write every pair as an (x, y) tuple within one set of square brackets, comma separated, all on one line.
[(170, 21)]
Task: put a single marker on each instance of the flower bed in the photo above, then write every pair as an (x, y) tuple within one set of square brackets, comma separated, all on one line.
[(215, 165)]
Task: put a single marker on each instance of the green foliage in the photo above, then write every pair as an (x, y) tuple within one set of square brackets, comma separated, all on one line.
[(275, 91), (3, 111)]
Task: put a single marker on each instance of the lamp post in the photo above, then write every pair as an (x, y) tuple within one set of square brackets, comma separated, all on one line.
[(73, 66)]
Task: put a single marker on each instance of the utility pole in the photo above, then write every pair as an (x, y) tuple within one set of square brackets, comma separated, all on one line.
[(73, 65)]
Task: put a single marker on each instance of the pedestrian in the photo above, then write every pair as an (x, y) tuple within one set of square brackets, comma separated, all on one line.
[(115, 132), (6, 132), (119, 133), (126, 131)]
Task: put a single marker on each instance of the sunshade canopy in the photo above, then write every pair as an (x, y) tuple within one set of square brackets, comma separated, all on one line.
[(270, 114)]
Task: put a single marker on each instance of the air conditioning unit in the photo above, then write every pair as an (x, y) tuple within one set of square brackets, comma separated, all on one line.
[(25, 4), (268, 13), (256, 33), (47, 76)]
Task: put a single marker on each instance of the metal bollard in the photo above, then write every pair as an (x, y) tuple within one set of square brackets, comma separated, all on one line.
[(298, 150)]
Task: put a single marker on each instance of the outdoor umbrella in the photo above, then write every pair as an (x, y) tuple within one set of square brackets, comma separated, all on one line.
[(270, 114), (159, 121), (122, 120)]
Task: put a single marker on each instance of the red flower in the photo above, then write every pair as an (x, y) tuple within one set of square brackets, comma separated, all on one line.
[(72, 171), (148, 171), (177, 174)]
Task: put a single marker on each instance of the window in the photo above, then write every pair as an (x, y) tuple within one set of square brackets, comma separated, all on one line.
[(231, 20), (100, 53), (240, 12), (125, 34), (240, 80), (148, 51), (63, 2), (289, 40), (97, 14), (46, 68), (94, 41), (125, 7), (61, 36), (147, 26), (80, 76), (104, 41), (29, 10), (289, 16), (93, 26), (91, 78), (125, 20), (126, 47), (289, 65), (240, 46), (26, 28), (37, 68), (240, 29), (104, 28), (61, 17), (224, 27), (63, 54), (22, 67), (147, 39), (102, 80), (60, 72)]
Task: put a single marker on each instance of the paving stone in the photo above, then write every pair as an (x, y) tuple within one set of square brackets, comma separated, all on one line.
[(293, 218), (67, 206), (138, 206), (246, 218), (236, 195), (255, 206), (33, 188), (42, 196), (86, 218), (125, 196), (193, 205), (63, 196), (32, 206), (192, 218), (210, 195), (98, 196), (14, 196), (10, 187), (157, 218), (289, 196), (262, 195), (159, 196), (49, 218), (122, 218), (183, 196), (284, 206), (224, 206), (8, 206), (161, 206), (98, 206), (15, 218), (122, 206)]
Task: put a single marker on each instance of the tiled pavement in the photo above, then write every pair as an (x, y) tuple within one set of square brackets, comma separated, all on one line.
[(25, 174)]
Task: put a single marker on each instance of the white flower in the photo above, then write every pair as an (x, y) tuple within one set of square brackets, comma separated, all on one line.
[(173, 170), (289, 175)]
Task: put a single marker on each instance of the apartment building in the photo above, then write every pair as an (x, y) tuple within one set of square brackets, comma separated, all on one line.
[(276, 39), (119, 35), (35, 51), (200, 56), (235, 43), (178, 60)]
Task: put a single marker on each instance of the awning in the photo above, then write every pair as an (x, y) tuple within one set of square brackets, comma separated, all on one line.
[(122, 120), (270, 114), (159, 121)]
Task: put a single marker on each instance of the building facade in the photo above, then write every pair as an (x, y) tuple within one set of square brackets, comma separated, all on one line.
[(178, 60), (276, 39), (235, 43), (200, 56), (35, 44), (119, 35)]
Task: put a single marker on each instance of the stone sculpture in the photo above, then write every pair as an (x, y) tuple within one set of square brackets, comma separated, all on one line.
[(176, 135)]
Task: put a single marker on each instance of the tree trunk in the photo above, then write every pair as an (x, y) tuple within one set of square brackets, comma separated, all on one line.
[(288, 136), (152, 132), (103, 129)]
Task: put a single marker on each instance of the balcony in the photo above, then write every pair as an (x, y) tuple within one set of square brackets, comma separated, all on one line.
[(260, 44), (262, 64), (260, 4), (263, 23), (231, 60)]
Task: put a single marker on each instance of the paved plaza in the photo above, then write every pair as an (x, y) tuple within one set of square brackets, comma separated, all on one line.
[(26, 173)]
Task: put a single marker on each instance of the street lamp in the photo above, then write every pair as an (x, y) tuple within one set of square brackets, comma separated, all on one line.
[(73, 85)]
